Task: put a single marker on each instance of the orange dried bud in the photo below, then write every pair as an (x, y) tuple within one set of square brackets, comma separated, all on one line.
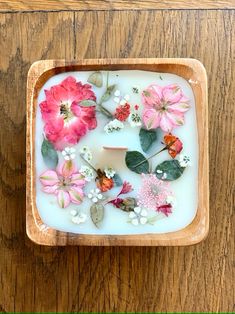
[(104, 184), (175, 144)]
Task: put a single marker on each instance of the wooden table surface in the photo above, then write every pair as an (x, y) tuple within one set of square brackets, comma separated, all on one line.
[(92, 279)]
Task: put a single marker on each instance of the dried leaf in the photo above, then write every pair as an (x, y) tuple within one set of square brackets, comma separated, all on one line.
[(108, 93), (87, 103), (147, 138), (96, 79), (97, 214), (49, 154), (136, 162), (117, 180)]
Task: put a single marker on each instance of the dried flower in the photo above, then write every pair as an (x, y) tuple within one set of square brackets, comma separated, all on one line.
[(66, 183), (184, 160), (122, 112), (166, 209), (114, 125), (135, 89), (127, 204), (95, 195), (109, 172), (86, 153), (78, 217), (87, 172), (126, 188), (175, 144), (119, 99), (153, 192), (105, 184), (164, 107), (138, 216), (65, 120), (69, 153)]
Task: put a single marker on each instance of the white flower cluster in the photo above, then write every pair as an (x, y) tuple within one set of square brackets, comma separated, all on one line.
[(119, 99), (114, 125), (109, 172), (69, 153), (95, 195), (78, 217), (134, 119), (184, 160), (87, 172), (138, 216), (86, 153)]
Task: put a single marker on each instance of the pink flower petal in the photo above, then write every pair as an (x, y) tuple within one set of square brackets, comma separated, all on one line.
[(67, 168), (63, 198), (151, 118), (176, 119), (78, 179), (152, 95), (50, 189), (49, 177), (76, 195), (179, 107), (165, 123), (172, 93)]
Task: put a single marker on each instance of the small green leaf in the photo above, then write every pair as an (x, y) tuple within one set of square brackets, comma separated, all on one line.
[(128, 204), (117, 180), (108, 93), (87, 103), (169, 170), (97, 214), (49, 154), (96, 79), (147, 138), (136, 162)]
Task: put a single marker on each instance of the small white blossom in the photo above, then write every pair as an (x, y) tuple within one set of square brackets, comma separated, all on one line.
[(164, 176), (114, 125), (119, 99), (87, 172), (78, 217), (184, 160), (138, 216), (109, 172), (86, 153), (134, 119), (95, 195), (69, 153), (117, 93)]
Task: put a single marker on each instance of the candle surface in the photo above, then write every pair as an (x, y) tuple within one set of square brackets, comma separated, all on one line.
[(116, 221)]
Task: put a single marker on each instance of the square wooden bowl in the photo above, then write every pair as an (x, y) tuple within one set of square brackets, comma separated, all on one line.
[(191, 70)]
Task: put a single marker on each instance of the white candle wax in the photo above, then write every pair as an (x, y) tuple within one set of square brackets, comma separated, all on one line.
[(115, 220)]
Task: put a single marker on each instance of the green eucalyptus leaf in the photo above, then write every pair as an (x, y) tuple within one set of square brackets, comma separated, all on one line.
[(136, 162), (108, 93), (49, 154), (96, 79), (169, 170), (147, 138), (97, 214), (117, 180), (87, 103)]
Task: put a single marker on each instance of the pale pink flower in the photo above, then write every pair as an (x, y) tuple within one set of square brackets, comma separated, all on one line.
[(65, 120), (153, 192), (164, 107), (66, 183)]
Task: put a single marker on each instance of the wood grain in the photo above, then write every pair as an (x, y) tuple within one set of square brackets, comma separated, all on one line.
[(79, 5), (192, 71), (92, 279)]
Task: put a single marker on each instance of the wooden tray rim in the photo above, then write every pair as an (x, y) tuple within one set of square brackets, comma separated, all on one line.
[(197, 230)]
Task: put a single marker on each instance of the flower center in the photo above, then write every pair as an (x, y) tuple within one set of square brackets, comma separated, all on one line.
[(65, 183), (65, 111)]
